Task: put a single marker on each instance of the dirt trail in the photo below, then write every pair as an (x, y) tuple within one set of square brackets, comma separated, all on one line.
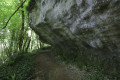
[(47, 68)]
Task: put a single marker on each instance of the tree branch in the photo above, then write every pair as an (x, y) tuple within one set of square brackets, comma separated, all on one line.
[(13, 15)]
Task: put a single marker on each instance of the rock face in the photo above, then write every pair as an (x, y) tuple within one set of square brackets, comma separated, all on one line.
[(91, 24)]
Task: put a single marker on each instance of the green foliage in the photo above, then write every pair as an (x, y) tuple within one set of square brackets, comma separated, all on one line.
[(21, 69), (9, 62), (88, 62), (16, 63), (10, 38), (7, 8), (12, 77)]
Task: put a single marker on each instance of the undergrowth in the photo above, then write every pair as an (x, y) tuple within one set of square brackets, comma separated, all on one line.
[(19, 69), (93, 68)]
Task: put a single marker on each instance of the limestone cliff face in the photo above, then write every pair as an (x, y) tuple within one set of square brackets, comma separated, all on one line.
[(90, 24)]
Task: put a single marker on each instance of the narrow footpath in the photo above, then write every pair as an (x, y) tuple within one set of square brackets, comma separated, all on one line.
[(47, 68)]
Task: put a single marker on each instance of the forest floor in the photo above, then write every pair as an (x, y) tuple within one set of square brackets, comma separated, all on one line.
[(48, 68)]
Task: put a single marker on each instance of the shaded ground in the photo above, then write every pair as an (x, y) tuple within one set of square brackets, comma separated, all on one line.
[(47, 68)]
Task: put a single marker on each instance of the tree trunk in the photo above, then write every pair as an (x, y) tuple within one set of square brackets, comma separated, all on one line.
[(22, 28)]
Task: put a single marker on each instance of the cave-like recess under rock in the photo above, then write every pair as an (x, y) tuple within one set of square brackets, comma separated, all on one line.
[(90, 25)]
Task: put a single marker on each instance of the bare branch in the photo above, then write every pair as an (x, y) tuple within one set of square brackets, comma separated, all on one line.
[(13, 15)]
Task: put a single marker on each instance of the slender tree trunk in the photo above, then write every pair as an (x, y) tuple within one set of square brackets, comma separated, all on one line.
[(28, 44), (22, 28)]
